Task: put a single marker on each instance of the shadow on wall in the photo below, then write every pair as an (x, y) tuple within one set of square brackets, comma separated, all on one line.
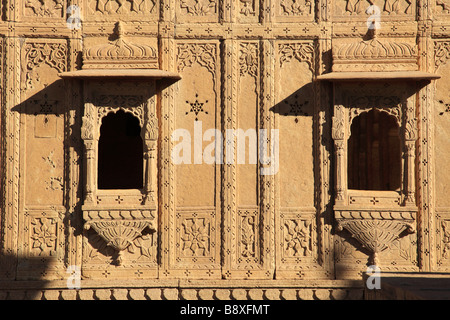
[(409, 286), (10, 289)]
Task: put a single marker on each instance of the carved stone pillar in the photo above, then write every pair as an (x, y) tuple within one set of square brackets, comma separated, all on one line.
[(338, 134), (88, 135)]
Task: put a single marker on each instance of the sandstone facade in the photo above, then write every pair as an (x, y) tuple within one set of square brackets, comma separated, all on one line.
[(349, 99)]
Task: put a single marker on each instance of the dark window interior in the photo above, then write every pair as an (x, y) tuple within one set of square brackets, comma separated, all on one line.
[(374, 153), (120, 152)]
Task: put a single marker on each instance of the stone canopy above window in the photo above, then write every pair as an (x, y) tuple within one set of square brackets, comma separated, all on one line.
[(375, 59), (122, 59)]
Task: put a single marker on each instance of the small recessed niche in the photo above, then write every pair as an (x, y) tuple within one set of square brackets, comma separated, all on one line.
[(374, 153), (120, 152)]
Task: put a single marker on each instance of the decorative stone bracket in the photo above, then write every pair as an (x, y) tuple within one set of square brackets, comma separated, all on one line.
[(376, 230), (119, 228)]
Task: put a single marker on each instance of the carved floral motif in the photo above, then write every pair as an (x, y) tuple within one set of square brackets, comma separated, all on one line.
[(203, 54), (36, 54), (247, 7), (195, 238), (296, 7), (297, 238), (248, 224), (248, 59), (124, 6), (46, 8), (44, 236), (303, 52), (197, 107), (446, 239), (441, 53), (199, 7)]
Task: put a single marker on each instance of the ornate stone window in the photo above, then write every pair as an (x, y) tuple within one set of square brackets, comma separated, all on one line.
[(120, 166), (370, 193), (382, 199), (374, 129), (120, 132)]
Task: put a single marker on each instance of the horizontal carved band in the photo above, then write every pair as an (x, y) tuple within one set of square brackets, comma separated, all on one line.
[(118, 214), (379, 215)]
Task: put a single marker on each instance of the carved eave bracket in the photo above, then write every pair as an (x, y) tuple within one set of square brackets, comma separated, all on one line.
[(378, 76), (120, 74), (376, 230)]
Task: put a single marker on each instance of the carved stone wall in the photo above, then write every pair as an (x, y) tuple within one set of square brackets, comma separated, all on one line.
[(245, 65)]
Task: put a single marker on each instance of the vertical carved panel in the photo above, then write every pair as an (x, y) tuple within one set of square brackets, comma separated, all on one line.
[(442, 99), (197, 175), (167, 167), (441, 112), (245, 241), (42, 159), (10, 123), (43, 109), (296, 228), (295, 111)]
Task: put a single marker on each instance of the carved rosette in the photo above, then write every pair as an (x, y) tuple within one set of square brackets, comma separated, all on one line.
[(376, 231)]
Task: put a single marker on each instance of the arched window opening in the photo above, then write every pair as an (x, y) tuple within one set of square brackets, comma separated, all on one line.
[(374, 153), (120, 152)]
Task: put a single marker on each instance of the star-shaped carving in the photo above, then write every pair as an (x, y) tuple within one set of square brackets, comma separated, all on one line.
[(446, 105), (197, 107), (296, 108)]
